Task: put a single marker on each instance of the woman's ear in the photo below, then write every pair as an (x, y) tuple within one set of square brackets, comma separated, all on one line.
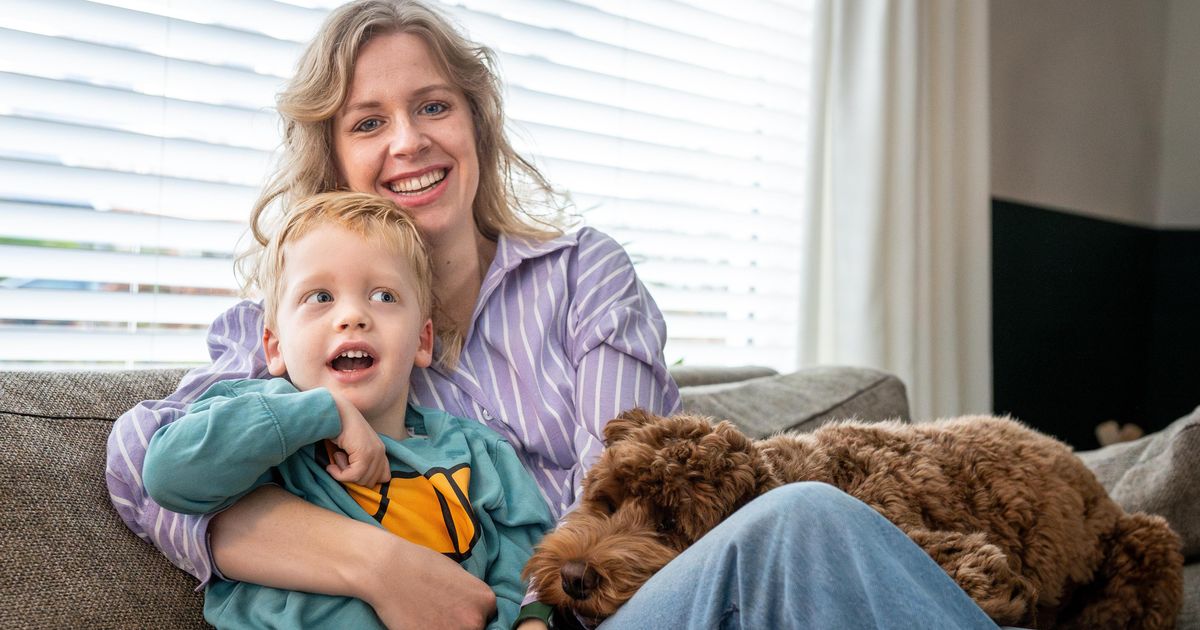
[(424, 356), (275, 363)]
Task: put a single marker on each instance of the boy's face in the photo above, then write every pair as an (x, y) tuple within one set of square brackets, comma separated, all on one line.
[(348, 320)]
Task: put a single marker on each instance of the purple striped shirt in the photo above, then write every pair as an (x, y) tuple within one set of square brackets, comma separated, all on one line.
[(564, 337)]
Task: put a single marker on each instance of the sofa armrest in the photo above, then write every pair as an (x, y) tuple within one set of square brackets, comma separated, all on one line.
[(693, 375), (802, 400)]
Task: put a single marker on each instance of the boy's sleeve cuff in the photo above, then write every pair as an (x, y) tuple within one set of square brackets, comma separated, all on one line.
[(536, 610)]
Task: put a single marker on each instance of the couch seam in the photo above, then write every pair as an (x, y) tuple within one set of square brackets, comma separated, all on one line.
[(25, 414), (843, 401)]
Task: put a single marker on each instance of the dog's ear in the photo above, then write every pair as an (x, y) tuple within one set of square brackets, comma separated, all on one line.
[(620, 427), (731, 438)]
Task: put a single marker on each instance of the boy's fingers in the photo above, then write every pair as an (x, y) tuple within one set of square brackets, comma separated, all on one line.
[(341, 459), (336, 472)]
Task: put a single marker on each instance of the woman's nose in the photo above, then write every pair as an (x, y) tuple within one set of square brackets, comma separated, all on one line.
[(408, 138)]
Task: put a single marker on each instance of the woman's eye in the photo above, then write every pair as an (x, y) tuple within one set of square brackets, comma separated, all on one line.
[(318, 297), (433, 109), (383, 295), (370, 124)]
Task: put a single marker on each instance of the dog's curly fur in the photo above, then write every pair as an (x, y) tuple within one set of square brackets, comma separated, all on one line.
[(1012, 515)]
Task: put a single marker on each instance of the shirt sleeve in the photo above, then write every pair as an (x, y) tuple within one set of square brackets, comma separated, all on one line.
[(230, 439), (235, 347), (617, 335)]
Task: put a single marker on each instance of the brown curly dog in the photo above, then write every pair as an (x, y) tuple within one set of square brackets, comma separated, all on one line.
[(1012, 515)]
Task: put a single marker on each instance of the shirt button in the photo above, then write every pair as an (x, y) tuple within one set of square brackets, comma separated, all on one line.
[(487, 415)]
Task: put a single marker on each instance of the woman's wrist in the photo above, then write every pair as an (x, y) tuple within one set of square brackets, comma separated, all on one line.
[(372, 560)]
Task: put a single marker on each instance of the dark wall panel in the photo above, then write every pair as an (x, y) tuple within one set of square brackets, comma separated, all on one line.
[(1074, 308)]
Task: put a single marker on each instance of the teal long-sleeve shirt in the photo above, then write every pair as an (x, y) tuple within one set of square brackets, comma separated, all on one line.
[(457, 487)]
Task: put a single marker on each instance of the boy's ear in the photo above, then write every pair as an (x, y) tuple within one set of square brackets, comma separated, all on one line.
[(424, 356), (274, 356)]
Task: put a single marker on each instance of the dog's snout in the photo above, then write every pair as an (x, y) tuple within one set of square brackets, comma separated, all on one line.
[(578, 579)]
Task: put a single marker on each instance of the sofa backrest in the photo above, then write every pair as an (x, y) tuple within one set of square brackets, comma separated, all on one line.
[(68, 560)]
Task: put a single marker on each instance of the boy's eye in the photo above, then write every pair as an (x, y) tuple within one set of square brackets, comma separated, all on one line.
[(383, 295), (318, 297), (370, 124)]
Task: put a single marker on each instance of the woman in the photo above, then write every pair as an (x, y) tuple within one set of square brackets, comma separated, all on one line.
[(541, 336)]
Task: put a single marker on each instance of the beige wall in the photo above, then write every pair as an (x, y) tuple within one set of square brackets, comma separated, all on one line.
[(1090, 107), (1179, 181)]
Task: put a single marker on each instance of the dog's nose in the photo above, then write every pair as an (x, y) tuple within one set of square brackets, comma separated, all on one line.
[(578, 579)]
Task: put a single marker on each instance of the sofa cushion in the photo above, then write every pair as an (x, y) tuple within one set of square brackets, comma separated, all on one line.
[(1157, 474), (69, 561), (802, 400)]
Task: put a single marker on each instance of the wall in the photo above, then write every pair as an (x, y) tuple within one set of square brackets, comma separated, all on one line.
[(1179, 181), (1096, 212)]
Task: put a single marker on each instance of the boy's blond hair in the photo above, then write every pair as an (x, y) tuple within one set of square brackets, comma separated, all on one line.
[(376, 219)]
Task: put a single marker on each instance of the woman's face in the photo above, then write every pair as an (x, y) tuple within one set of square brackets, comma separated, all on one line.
[(406, 133)]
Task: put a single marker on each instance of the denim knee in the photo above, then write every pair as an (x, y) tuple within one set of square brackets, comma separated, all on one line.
[(807, 506)]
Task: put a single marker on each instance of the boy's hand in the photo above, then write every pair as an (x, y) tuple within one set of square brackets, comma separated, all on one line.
[(362, 459), (533, 624)]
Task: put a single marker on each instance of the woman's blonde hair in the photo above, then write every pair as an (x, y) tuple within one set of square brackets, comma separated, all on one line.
[(509, 185), (376, 219)]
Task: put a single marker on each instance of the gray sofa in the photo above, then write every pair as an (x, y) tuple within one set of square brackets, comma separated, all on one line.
[(68, 561)]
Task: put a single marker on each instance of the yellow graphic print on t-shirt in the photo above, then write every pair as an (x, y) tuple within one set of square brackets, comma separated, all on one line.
[(431, 510)]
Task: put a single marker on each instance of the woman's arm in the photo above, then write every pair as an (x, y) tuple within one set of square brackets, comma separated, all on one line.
[(234, 343), (617, 336), (272, 537)]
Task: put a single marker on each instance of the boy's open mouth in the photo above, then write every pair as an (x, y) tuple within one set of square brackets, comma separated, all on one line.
[(352, 360)]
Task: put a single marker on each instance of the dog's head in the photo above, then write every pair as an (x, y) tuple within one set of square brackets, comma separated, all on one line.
[(686, 473), (659, 485)]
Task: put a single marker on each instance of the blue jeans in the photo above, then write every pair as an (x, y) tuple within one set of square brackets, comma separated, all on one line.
[(805, 555)]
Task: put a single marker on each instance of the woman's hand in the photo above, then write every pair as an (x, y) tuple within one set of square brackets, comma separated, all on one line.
[(533, 624), (411, 586), (362, 458), (274, 538)]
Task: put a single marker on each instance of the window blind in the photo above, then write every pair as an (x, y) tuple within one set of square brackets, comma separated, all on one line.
[(134, 135)]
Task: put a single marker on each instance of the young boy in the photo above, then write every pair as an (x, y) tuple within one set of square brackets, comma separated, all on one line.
[(346, 287)]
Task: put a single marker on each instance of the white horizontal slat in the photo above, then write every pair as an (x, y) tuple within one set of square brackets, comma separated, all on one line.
[(125, 28), (733, 223), (628, 153), (114, 108), (279, 20), (104, 306), (52, 344), (757, 24), (688, 352), (694, 276), (708, 249), (793, 18), (583, 37), (76, 145), (743, 306), (46, 263), (732, 331), (105, 190), (652, 187), (538, 75), (527, 107), (53, 58), (122, 230)]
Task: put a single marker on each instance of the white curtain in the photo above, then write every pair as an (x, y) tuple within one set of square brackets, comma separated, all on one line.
[(897, 270)]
